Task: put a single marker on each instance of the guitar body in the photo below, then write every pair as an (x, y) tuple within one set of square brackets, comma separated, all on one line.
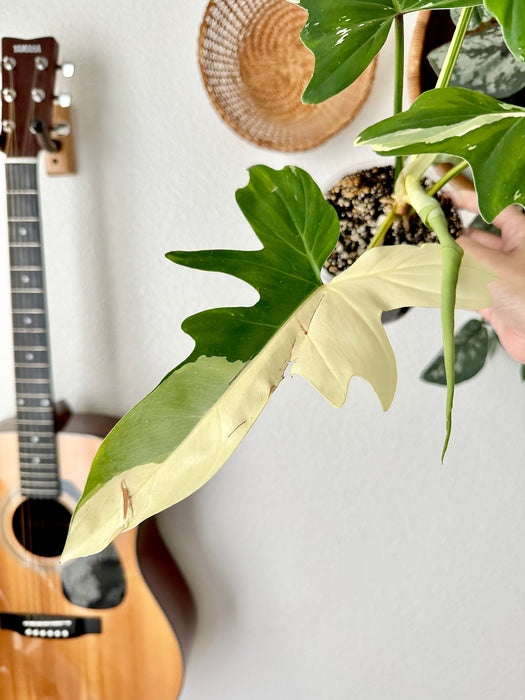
[(135, 654)]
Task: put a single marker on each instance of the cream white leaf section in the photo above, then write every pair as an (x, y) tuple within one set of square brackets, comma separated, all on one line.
[(346, 337), (335, 334)]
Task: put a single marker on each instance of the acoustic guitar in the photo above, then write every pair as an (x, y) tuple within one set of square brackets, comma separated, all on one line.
[(104, 627)]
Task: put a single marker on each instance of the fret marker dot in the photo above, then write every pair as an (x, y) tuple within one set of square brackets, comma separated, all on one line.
[(45, 402), (25, 279), (22, 231), (34, 438), (20, 402), (27, 320), (35, 460), (30, 356)]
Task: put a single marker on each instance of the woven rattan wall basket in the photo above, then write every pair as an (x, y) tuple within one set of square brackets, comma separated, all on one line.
[(255, 69)]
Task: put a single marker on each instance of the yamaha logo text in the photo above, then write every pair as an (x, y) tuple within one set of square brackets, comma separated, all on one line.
[(27, 48)]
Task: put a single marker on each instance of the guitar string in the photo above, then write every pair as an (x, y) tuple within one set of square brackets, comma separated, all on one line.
[(36, 78), (31, 110), (16, 172), (24, 178), (11, 117), (28, 182), (20, 175), (13, 237), (12, 182), (25, 253)]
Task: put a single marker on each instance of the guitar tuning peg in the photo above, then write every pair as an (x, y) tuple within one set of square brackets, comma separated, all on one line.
[(39, 129), (61, 129), (64, 99), (68, 69)]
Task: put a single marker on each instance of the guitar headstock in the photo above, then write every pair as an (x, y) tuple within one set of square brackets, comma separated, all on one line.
[(28, 82)]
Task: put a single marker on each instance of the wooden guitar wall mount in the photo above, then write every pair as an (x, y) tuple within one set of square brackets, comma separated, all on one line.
[(62, 162)]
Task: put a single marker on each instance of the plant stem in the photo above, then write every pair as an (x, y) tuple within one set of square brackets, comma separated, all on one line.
[(443, 80), (399, 75), (452, 55), (449, 175), (387, 222), (382, 230), (455, 47), (431, 215)]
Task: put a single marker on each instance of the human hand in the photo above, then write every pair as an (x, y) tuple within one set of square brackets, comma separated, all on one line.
[(505, 255)]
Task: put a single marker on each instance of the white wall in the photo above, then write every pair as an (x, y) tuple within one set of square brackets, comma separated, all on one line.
[(333, 556)]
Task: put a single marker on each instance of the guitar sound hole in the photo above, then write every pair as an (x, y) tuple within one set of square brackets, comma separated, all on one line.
[(97, 581), (40, 526)]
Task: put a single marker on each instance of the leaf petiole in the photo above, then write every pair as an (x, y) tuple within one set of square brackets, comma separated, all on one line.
[(399, 77), (455, 47), (430, 212)]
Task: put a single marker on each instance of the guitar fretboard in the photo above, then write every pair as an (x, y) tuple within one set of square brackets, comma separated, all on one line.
[(35, 411)]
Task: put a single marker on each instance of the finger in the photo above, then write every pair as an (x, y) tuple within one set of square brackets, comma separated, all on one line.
[(489, 240), (464, 198), (511, 221), (512, 340), (494, 259)]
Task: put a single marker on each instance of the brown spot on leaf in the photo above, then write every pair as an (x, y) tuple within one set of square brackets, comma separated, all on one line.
[(126, 500), (236, 428)]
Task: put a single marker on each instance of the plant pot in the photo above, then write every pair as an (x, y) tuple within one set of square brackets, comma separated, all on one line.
[(362, 200)]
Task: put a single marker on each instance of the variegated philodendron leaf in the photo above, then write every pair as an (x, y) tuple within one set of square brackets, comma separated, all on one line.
[(485, 132), (298, 229), (177, 438), (511, 15), (484, 64), (346, 35)]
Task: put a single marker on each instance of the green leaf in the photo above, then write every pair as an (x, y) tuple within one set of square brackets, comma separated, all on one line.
[(472, 349), (346, 35), (484, 64), (523, 373), (511, 15), (298, 230), (485, 132), (177, 438)]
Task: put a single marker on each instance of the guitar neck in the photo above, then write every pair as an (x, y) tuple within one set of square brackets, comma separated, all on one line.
[(35, 412)]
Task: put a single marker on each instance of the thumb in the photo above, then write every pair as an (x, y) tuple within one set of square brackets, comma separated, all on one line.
[(490, 257)]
